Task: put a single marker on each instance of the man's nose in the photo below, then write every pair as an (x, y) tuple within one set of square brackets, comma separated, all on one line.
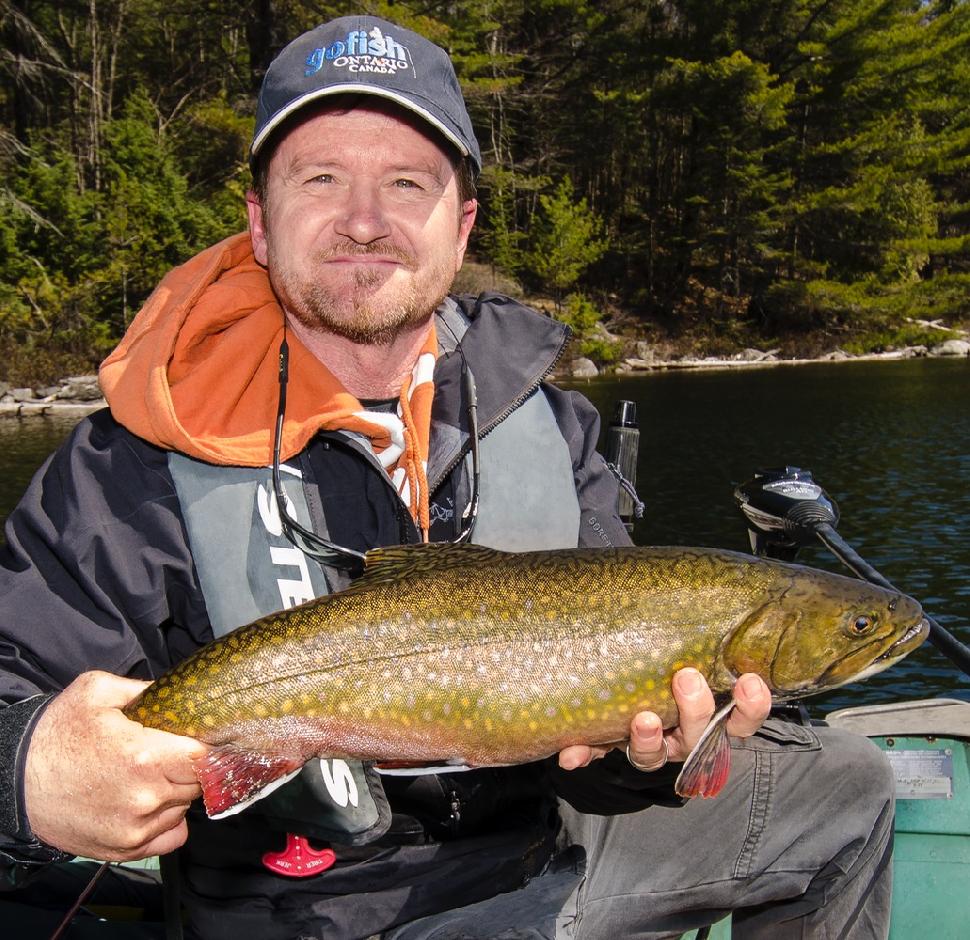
[(362, 217)]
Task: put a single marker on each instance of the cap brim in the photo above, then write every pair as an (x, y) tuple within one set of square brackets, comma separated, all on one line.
[(354, 88)]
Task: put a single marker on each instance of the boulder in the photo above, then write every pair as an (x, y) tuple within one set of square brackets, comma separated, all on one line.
[(583, 368), (645, 352), (80, 388), (952, 347)]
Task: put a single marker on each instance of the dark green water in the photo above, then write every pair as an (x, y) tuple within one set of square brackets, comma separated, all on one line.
[(890, 442)]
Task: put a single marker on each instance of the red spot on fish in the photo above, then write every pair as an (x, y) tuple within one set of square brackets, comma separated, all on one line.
[(299, 859)]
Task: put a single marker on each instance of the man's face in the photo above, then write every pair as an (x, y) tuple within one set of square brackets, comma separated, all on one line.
[(362, 230)]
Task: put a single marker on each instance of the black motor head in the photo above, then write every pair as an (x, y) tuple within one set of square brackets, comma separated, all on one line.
[(784, 507)]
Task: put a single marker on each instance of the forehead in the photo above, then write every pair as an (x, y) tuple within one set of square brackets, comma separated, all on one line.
[(365, 125)]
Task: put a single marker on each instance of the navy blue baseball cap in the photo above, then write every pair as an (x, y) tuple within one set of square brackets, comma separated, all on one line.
[(365, 55)]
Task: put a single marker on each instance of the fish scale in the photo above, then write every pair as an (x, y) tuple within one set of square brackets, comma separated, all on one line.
[(464, 654)]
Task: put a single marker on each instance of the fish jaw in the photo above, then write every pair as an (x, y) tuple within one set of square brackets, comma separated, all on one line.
[(905, 645)]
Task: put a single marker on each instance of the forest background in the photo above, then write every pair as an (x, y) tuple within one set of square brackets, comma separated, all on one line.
[(705, 174)]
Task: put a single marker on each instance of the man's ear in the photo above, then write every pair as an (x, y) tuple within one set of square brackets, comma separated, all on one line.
[(469, 210), (257, 227)]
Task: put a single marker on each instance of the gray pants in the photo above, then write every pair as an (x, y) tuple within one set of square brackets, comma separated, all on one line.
[(798, 845)]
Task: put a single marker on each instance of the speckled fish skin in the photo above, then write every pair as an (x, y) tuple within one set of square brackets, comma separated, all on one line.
[(465, 654)]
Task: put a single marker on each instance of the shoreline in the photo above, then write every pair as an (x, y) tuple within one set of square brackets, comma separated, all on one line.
[(62, 403), (580, 368)]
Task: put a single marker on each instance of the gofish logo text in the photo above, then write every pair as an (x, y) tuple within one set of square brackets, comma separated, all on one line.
[(361, 52)]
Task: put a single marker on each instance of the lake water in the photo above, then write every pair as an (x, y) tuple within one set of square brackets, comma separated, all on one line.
[(889, 441)]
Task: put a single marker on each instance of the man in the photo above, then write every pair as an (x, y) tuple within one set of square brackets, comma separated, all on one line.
[(326, 341)]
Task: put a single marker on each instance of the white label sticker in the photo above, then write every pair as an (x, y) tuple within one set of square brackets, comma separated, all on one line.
[(923, 775)]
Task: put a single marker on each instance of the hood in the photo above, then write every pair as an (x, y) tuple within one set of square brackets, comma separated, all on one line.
[(197, 372)]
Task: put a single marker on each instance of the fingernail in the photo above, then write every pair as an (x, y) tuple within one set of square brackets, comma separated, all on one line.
[(648, 727), (689, 681), (751, 686)]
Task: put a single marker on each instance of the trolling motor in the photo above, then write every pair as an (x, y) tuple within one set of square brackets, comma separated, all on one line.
[(786, 510)]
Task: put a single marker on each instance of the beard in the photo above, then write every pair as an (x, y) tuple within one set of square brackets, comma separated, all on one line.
[(357, 308)]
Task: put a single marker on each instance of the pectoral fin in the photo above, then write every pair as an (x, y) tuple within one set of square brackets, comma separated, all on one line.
[(232, 777), (706, 769)]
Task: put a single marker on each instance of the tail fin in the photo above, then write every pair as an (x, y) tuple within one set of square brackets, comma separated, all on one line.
[(233, 777)]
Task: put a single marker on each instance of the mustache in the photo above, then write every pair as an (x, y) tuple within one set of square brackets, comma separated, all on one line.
[(352, 248)]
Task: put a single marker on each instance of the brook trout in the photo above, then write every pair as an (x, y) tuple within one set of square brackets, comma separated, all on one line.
[(466, 655)]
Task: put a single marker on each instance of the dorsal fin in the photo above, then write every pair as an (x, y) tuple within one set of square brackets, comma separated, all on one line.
[(405, 561)]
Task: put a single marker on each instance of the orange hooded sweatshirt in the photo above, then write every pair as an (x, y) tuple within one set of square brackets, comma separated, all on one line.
[(198, 373)]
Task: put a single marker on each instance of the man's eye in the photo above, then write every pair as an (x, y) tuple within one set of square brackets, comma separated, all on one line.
[(322, 178), (406, 184)]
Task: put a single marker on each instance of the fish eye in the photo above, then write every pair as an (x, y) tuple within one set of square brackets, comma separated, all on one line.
[(862, 624)]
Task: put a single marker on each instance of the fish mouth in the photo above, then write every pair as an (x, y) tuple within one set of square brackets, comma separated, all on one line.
[(907, 642)]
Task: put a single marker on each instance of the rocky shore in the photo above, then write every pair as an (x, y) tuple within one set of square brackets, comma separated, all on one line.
[(647, 360), (73, 397)]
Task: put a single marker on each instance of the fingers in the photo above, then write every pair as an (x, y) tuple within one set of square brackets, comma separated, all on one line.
[(128, 786), (579, 755), (752, 702), (695, 703), (646, 749), (649, 748), (172, 754), (107, 690)]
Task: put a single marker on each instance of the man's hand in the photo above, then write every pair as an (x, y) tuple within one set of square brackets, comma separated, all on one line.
[(752, 701), (102, 786)]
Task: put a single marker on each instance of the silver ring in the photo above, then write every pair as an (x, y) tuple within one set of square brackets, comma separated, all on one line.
[(633, 763)]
